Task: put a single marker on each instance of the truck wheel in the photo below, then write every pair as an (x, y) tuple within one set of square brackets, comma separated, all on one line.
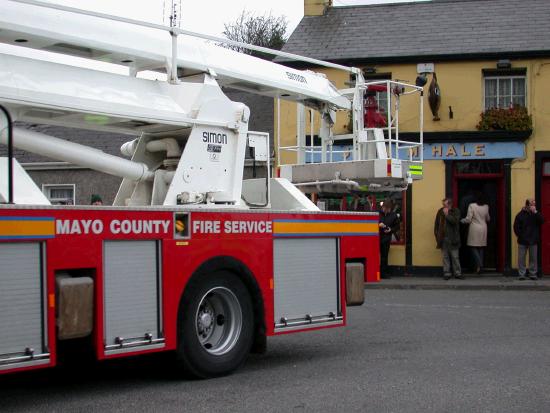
[(216, 325)]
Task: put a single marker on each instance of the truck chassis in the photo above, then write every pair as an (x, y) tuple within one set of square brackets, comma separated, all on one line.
[(210, 285)]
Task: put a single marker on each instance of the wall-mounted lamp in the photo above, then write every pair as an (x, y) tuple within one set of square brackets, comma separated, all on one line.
[(421, 80), (369, 70), (504, 64)]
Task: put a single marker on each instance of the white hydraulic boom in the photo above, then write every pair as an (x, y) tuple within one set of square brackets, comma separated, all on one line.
[(208, 133)]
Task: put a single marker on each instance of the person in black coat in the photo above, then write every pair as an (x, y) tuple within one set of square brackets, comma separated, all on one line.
[(527, 228), (388, 225)]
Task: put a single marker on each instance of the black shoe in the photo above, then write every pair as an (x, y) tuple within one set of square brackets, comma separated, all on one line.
[(460, 277), (446, 277), (521, 278), (533, 277)]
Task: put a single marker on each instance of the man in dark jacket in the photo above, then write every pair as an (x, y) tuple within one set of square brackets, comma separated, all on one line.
[(527, 228), (447, 237), (389, 225)]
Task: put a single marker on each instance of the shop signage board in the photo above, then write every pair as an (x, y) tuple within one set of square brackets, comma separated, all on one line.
[(442, 151), (470, 150)]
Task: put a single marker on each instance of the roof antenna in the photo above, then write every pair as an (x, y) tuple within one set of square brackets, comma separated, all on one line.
[(172, 15)]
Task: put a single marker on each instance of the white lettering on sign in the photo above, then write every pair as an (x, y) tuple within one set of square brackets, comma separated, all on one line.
[(206, 227), (125, 226), (78, 226), (232, 227), (138, 226)]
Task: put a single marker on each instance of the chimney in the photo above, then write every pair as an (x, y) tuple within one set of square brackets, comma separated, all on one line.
[(316, 7)]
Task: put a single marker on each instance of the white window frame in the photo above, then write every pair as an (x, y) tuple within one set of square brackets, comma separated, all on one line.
[(46, 190), (511, 79)]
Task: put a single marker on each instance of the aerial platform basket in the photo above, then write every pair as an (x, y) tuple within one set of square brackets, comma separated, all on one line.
[(372, 157)]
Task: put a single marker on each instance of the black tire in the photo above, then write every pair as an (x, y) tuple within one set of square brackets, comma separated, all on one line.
[(215, 325)]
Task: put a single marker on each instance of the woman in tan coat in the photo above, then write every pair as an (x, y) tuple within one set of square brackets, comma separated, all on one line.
[(477, 217)]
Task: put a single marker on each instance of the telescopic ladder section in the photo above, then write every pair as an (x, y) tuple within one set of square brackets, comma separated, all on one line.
[(38, 91), (209, 130), (372, 157), (143, 46)]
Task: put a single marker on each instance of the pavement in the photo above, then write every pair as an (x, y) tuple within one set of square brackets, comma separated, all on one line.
[(403, 351), (470, 282)]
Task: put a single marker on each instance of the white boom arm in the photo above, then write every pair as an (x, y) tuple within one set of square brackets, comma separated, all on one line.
[(78, 154), (147, 47), (46, 92), (208, 131)]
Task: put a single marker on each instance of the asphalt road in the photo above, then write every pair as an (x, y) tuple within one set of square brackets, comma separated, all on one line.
[(403, 351)]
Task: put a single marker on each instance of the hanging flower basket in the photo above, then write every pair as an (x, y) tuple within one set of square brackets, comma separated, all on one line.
[(512, 119)]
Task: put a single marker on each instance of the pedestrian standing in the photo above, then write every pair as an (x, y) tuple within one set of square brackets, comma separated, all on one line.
[(447, 236), (477, 217), (388, 225), (527, 228)]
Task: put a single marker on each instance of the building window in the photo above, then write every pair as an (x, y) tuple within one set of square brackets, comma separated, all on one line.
[(478, 167), (368, 202), (546, 168), (504, 91), (381, 97), (60, 194)]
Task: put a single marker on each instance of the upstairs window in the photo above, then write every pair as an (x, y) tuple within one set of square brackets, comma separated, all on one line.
[(59, 194), (381, 97), (504, 89)]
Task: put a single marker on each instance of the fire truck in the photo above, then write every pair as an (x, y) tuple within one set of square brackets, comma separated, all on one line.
[(190, 258)]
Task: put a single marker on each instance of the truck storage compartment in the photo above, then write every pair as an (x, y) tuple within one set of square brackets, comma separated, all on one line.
[(22, 323), (355, 283), (75, 306), (307, 282), (132, 295)]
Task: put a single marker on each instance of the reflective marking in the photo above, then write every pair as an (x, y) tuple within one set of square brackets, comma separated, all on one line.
[(27, 227)]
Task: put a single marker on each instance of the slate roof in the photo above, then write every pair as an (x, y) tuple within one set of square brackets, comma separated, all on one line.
[(444, 29)]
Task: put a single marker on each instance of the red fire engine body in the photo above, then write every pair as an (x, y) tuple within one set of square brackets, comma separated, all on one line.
[(191, 257), (104, 243)]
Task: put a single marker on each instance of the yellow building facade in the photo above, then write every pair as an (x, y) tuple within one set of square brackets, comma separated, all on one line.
[(508, 166)]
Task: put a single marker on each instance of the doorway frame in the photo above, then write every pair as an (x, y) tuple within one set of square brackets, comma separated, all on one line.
[(503, 202), (540, 157)]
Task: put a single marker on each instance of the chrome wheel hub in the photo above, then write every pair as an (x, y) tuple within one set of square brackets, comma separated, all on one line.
[(218, 321)]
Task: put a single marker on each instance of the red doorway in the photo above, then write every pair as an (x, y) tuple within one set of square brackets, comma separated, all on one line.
[(545, 210), (487, 177)]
